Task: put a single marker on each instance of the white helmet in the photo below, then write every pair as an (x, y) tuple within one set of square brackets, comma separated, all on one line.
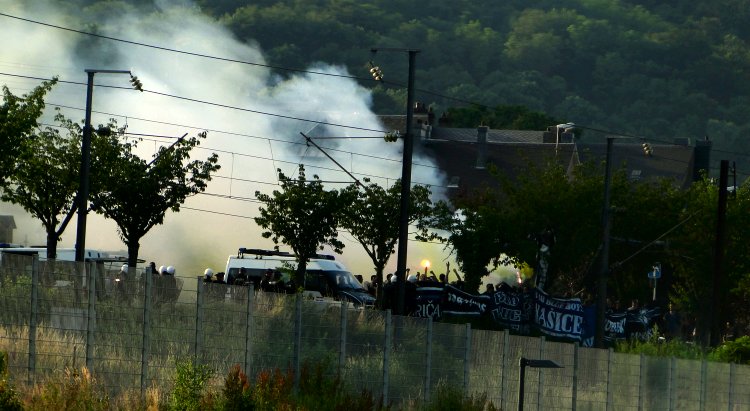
[(170, 270), (124, 268), (412, 278), (208, 273), (162, 269)]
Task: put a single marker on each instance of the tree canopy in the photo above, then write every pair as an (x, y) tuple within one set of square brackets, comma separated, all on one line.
[(135, 194), (43, 173), (302, 215), (371, 215)]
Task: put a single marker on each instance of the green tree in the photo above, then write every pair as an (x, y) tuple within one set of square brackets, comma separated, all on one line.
[(500, 117), (302, 215), (135, 194), (45, 177), (371, 215), (18, 121), (474, 236)]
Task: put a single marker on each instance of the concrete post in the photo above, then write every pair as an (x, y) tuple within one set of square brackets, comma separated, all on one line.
[(90, 270)]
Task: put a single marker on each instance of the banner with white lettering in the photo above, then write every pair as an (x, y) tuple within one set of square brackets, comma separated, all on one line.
[(429, 300), (640, 323), (559, 317), (458, 302), (507, 308), (614, 327)]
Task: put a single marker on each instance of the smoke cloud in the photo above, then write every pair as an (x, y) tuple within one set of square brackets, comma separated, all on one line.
[(251, 146)]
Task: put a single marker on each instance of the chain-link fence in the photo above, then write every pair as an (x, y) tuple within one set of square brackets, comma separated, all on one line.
[(131, 329)]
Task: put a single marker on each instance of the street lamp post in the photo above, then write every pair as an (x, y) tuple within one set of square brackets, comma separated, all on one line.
[(83, 190), (403, 232)]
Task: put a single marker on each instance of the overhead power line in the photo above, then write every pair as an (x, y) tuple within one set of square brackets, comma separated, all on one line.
[(210, 103), (190, 53)]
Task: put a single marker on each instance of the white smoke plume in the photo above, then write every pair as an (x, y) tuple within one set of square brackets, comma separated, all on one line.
[(251, 146)]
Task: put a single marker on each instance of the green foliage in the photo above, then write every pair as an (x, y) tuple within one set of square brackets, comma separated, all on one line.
[(237, 391), (655, 347), (18, 120), (272, 390), (500, 117), (448, 398), (44, 176), (76, 391), (303, 215), (9, 398), (137, 194), (190, 387), (736, 351), (371, 214)]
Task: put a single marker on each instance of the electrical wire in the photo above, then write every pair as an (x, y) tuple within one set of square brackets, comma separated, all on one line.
[(190, 53)]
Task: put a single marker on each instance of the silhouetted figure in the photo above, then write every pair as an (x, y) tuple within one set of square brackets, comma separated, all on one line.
[(241, 278)]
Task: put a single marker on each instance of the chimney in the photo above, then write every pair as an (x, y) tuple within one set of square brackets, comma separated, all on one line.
[(481, 147), (701, 157), (425, 133), (550, 136)]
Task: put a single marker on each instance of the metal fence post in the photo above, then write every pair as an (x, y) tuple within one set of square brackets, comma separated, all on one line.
[(730, 403), (467, 358), (146, 330), (672, 378), (342, 337), (503, 362), (610, 393), (33, 314), (540, 374), (297, 341), (90, 270), (574, 386), (386, 354), (704, 384), (249, 328), (428, 360), (642, 382), (198, 343)]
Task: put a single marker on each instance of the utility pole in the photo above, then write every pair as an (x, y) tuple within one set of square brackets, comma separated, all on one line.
[(716, 313), (601, 298), (403, 232), (83, 189)]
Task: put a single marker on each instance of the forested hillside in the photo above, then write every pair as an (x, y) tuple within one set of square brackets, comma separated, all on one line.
[(641, 67)]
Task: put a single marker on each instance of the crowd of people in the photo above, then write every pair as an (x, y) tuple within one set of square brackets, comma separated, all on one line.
[(386, 294), (165, 287)]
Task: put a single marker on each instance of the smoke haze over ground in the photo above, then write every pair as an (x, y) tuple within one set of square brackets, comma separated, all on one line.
[(251, 146)]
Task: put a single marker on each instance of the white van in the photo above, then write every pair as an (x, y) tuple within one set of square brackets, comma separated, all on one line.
[(323, 273), (63, 254)]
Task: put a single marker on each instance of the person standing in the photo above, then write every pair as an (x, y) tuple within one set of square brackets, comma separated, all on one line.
[(672, 323)]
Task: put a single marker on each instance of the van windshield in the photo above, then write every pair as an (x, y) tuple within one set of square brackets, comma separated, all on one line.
[(343, 280)]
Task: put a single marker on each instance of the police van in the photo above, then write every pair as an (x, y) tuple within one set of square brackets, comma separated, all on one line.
[(323, 273)]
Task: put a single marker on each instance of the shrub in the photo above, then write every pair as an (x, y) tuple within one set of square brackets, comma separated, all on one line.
[(737, 351), (452, 399), (78, 391), (318, 391), (191, 382), (237, 391), (8, 396), (273, 390), (656, 347)]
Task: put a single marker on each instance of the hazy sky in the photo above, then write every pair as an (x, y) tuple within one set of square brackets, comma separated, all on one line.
[(251, 146)]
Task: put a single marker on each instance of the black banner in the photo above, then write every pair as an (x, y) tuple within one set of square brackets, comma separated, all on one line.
[(462, 303), (559, 317), (512, 308)]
